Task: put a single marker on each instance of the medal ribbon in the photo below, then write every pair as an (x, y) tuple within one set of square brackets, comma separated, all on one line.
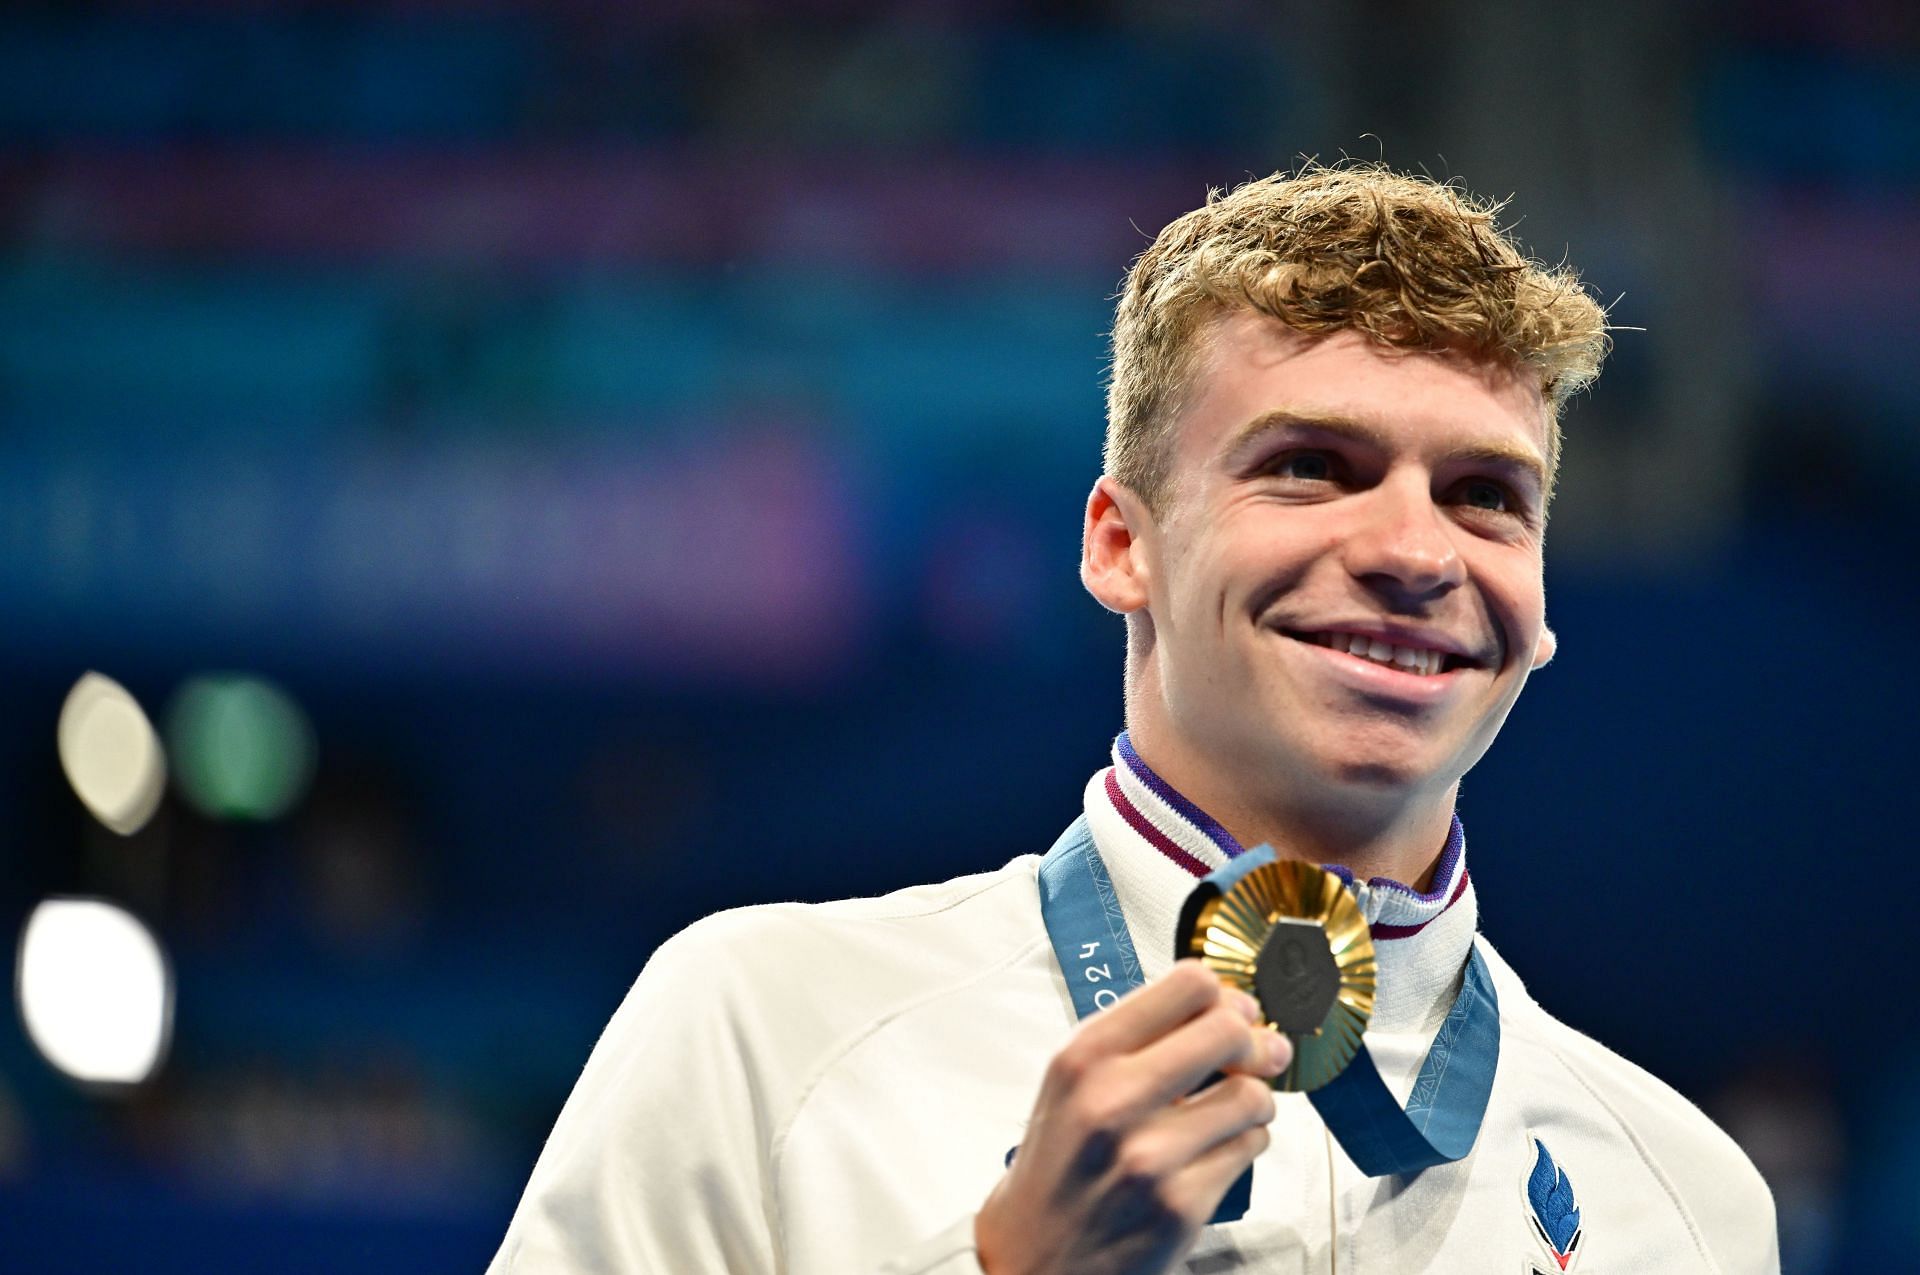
[(1443, 1114), (1095, 952)]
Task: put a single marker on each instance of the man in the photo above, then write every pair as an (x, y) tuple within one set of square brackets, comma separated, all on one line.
[(1332, 435)]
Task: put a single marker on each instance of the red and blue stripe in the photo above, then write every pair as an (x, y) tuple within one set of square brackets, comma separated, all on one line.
[(1450, 874)]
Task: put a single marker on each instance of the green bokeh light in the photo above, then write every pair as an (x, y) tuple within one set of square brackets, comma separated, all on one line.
[(241, 747)]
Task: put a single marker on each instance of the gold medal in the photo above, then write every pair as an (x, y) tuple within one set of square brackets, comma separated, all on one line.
[(1290, 934)]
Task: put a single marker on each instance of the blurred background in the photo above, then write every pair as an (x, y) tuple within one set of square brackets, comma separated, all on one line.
[(531, 474)]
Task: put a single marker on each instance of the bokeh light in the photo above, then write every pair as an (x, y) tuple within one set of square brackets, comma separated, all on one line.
[(95, 991), (242, 748), (110, 753)]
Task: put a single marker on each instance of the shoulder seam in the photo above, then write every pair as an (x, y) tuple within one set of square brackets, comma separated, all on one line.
[(993, 881), (778, 1146), (1639, 1148)]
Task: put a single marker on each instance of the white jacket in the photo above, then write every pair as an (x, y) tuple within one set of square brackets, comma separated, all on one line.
[(833, 1090)]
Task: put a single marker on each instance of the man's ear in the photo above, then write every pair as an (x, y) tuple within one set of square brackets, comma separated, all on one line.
[(1543, 653), (1113, 563)]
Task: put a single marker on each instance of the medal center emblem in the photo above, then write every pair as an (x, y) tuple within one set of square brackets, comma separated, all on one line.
[(1294, 975)]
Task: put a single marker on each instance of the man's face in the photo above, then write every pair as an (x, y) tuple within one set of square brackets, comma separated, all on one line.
[(1327, 496)]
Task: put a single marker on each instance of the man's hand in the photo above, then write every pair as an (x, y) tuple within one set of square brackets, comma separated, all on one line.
[(1120, 1168)]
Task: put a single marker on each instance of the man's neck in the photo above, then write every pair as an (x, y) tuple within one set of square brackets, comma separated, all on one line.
[(1396, 836)]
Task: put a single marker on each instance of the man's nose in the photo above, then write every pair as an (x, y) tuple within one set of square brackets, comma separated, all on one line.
[(1404, 542)]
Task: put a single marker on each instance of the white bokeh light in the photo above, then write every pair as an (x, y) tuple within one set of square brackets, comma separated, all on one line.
[(111, 754), (95, 989)]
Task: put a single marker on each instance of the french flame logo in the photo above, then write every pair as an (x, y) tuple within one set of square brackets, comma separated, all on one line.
[(1556, 1214)]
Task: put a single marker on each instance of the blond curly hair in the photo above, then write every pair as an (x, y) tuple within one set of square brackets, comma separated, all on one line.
[(1412, 263)]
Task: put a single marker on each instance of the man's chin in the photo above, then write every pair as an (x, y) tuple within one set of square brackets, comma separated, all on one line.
[(1379, 778), (1365, 770), (1372, 770)]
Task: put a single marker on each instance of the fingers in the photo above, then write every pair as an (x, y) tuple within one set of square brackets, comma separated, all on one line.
[(1149, 1013), (1180, 1161), (1196, 1190), (1220, 1040), (1120, 1167), (1188, 1131), (1206, 1028)]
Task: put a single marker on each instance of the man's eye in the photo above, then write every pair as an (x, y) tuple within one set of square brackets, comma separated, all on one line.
[(1314, 467), (1487, 495)]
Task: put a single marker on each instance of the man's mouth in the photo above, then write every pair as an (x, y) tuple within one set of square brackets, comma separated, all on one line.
[(1422, 661)]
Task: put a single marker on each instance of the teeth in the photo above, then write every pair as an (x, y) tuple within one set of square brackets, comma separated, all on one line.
[(1411, 659)]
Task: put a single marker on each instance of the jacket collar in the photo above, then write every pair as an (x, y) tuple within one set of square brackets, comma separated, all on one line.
[(1155, 843)]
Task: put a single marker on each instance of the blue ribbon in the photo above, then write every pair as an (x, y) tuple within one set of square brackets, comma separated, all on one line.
[(1083, 918), (1095, 952), (1449, 1100)]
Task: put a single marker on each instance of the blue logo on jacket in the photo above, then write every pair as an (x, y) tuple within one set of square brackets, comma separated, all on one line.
[(1556, 1214)]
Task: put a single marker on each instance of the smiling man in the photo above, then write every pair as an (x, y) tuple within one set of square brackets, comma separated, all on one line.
[(1332, 435), (1337, 597)]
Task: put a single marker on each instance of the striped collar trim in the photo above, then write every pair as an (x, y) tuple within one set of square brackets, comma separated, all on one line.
[(1193, 839)]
